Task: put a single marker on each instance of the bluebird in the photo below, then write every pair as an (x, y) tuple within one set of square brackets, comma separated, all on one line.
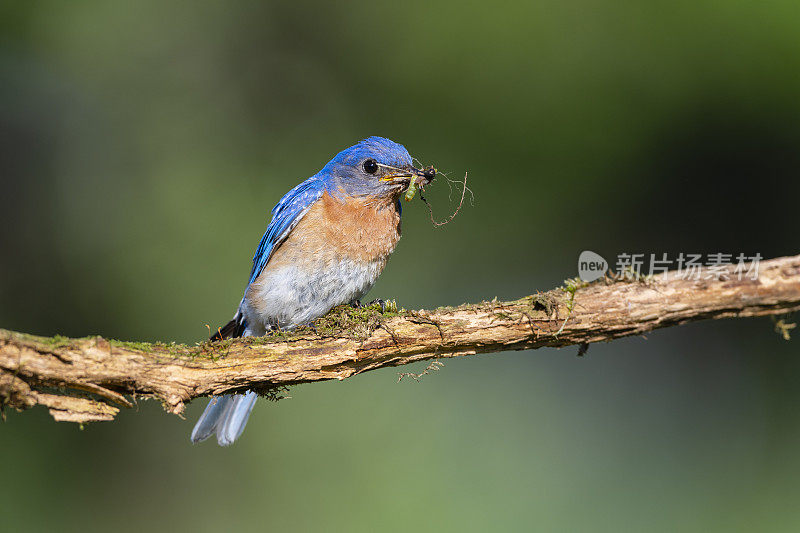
[(326, 245)]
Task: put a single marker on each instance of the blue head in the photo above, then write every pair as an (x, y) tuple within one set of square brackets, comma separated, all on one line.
[(374, 167)]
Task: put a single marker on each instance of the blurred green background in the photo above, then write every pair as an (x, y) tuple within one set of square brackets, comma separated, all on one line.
[(144, 143)]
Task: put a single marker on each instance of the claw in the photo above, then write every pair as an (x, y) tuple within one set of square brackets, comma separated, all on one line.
[(385, 305), (379, 302)]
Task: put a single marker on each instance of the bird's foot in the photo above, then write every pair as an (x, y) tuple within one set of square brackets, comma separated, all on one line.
[(379, 302), (385, 305), (389, 306)]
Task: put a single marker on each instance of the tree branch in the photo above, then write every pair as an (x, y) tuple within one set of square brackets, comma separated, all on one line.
[(89, 379)]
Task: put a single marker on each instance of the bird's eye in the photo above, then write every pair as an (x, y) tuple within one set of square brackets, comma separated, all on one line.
[(370, 166)]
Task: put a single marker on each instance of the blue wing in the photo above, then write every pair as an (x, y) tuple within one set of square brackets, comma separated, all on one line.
[(285, 216)]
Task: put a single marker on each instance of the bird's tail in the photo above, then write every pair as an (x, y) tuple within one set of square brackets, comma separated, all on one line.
[(226, 415), (231, 330)]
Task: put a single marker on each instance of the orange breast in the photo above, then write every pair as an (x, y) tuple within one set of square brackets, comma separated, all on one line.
[(359, 229)]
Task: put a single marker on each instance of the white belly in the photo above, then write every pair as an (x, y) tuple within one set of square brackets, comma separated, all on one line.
[(289, 296)]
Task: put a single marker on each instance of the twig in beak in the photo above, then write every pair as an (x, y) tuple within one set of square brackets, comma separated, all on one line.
[(461, 203)]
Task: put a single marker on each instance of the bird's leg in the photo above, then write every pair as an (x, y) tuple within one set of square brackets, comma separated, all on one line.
[(380, 302), (384, 305)]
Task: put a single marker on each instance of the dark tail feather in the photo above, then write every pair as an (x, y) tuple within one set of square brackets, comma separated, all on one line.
[(231, 330)]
